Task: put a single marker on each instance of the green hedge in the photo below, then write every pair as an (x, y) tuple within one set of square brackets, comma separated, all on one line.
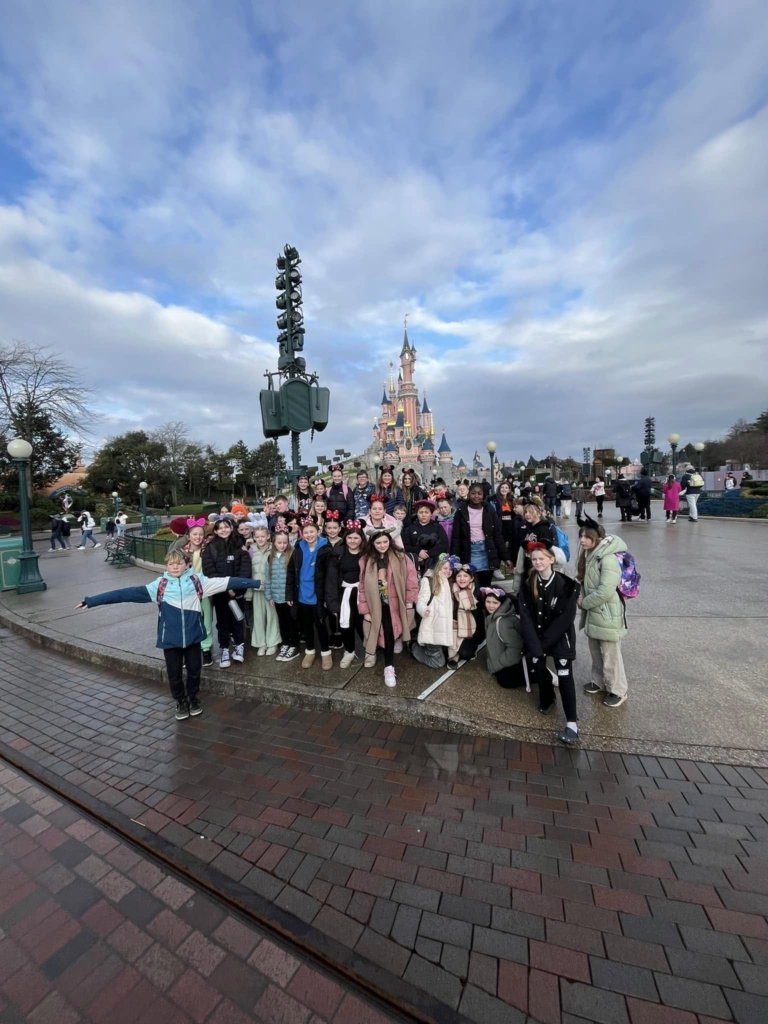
[(742, 508)]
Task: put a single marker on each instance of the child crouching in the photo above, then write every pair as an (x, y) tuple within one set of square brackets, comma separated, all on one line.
[(503, 639), (180, 628)]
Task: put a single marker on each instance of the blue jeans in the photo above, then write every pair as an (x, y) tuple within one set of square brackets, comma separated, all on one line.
[(87, 536), (120, 529)]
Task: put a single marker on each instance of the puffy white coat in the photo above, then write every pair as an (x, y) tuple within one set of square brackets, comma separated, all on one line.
[(437, 627)]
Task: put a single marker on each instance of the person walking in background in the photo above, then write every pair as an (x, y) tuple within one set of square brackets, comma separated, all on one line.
[(579, 496), (88, 524), (642, 489), (550, 495), (671, 491), (691, 486), (598, 492), (730, 482), (109, 527), (623, 490), (566, 499), (120, 522), (57, 525)]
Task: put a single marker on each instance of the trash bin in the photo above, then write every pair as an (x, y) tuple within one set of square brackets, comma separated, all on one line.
[(10, 566), (103, 523)]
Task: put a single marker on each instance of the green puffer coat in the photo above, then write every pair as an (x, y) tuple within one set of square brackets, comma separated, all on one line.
[(504, 640), (602, 610)]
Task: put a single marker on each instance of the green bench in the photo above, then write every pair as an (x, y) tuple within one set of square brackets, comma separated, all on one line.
[(119, 551)]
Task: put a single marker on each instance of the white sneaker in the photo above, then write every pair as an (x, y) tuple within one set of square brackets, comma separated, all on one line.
[(238, 654), (390, 679), (348, 658), (261, 652), (498, 574), (282, 653), (269, 651), (224, 661), (370, 661), (398, 646), (96, 546)]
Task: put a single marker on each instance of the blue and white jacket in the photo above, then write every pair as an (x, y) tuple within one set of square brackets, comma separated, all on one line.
[(180, 620)]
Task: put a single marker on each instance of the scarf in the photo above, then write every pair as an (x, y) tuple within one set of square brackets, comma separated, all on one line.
[(464, 624), (345, 612)]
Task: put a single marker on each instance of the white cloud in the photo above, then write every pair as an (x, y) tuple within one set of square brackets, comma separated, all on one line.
[(570, 203)]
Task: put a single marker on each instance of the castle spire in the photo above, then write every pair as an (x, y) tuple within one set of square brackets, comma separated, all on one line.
[(406, 346), (384, 399), (391, 379), (425, 408), (444, 446)]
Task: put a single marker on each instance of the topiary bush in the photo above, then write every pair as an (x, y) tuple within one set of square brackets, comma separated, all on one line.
[(735, 507)]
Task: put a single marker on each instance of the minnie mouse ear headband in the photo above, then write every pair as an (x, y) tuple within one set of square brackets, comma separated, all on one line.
[(533, 500), (332, 516), (456, 564), (307, 521), (281, 529), (195, 522), (425, 503), (339, 466), (353, 524), (178, 526), (376, 497), (388, 532), (588, 523), (496, 592), (318, 480), (255, 519), (386, 469), (540, 545)]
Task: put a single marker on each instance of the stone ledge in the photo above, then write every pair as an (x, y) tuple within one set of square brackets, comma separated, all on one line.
[(398, 710)]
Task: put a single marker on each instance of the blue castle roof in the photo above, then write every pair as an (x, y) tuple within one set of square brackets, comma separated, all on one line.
[(444, 446)]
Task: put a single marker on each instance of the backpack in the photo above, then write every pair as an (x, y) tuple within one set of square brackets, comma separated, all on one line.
[(566, 492), (696, 480), (629, 584), (164, 583), (562, 543)]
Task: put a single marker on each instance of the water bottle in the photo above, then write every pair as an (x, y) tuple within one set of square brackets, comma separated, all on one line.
[(236, 610)]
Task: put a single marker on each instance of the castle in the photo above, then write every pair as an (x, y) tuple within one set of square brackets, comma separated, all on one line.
[(404, 434)]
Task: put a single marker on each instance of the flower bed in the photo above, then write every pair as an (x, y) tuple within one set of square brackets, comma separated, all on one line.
[(741, 508)]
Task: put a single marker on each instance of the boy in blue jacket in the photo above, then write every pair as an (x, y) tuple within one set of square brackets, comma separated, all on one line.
[(180, 628)]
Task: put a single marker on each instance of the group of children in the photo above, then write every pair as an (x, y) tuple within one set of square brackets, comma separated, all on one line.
[(390, 566)]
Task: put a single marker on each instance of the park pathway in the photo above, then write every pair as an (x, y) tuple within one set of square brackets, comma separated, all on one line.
[(460, 877)]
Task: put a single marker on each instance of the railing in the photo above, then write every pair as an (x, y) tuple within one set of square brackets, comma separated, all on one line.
[(148, 549)]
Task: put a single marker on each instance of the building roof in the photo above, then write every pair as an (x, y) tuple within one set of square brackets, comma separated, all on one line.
[(461, 464), (425, 407), (384, 399), (406, 345), (444, 446), (427, 445), (400, 421), (391, 447)]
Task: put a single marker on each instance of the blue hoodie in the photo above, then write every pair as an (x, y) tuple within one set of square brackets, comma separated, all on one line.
[(180, 620)]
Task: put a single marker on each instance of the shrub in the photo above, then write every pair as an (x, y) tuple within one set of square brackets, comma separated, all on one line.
[(9, 521), (760, 513), (188, 510)]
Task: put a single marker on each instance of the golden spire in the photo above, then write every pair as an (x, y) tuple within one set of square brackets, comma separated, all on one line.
[(391, 379)]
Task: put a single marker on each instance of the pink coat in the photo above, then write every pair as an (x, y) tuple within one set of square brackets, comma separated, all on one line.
[(403, 590), (672, 497)]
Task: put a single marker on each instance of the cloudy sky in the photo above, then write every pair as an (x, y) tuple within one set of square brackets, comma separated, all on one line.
[(570, 200)]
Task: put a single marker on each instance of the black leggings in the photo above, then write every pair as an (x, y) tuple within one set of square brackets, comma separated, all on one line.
[(567, 686), (389, 635), (511, 677), (311, 617), (355, 624), (286, 618), (599, 498), (227, 626), (175, 659)]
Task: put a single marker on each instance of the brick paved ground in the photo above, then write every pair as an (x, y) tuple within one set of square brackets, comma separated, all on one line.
[(92, 931), (504, 879)]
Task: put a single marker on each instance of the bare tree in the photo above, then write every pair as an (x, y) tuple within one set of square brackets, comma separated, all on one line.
[(175, 437), (34, 382)]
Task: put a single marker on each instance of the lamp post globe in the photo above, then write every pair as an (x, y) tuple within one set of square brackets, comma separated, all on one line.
[(491, 448), (699, 448), (143, 499), (674, 441), (30, 580)]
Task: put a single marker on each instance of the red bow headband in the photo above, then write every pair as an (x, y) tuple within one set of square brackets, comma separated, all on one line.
[(376, 497), (339, 466), (353, 524), (331, 514), (195, 522), (534, 545), (307, 521), (282, 529)]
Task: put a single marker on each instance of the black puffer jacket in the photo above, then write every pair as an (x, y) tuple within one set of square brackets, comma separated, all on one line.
[(461, 543), (548, 624), (431, 538), (221, 560), (340, 502), (345, 569), (327, 554)]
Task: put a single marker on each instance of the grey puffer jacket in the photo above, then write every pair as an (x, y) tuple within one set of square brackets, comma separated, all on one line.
[(503, 638)]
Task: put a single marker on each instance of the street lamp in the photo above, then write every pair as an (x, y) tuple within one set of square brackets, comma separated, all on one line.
[(30, 580), (491, 448), (115, 503), (143, 486), (699, 447), (674, 440), (619, 460)]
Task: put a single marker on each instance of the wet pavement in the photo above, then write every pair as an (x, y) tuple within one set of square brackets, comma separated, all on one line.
[(696, 652), (474, 879)]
